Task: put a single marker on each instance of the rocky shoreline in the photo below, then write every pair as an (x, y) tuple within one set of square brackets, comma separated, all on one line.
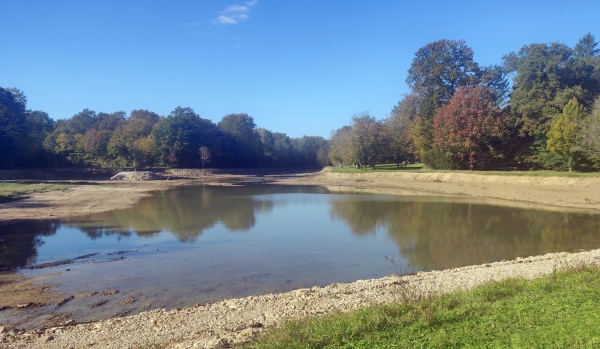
[(222, 324)]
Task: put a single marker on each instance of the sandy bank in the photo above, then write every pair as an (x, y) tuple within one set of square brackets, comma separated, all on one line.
[(95, 196), (551, 192)]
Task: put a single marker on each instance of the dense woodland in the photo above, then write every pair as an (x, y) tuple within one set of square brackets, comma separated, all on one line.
[(144, 139), (538, 109)]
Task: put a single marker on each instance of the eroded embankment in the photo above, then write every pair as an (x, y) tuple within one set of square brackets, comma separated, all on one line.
[(238, 320), (552, 192)]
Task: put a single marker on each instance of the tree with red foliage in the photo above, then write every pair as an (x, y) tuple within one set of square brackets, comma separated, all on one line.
[(467, 128)]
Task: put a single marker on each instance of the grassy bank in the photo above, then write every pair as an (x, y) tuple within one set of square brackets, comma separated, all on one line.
[(10, 191), (418, 168), (559, 311)]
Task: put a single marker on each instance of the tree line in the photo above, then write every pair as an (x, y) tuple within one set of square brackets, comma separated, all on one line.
[(144, 139), (539, 109)]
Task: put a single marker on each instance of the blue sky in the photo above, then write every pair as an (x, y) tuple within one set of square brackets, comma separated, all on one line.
[(297, 67)]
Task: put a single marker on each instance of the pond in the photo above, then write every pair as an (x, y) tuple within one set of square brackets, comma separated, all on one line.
[(202, 244)]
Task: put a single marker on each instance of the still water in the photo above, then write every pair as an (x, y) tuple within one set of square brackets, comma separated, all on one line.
[(202, 244)]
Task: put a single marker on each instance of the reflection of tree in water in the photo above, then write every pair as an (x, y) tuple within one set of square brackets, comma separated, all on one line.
[(441, 235), (187, 212), (19, 242)]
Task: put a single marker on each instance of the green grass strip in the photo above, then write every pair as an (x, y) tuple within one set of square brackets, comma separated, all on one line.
[(559, 311), (10, 191)]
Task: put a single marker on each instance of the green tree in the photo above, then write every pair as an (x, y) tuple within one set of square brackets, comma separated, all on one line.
[(400, 126), (243, 144), (545, 78), (586, 47), (144, 152), (311, 151), (369, 140), (442, 66), (341, 151), (38, 126), (436, 72), (283, 150), (121, 147), (13, 120), (589, 141), (180, 135), (563, 134)]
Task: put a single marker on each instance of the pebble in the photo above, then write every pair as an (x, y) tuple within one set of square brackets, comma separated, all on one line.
[(225, 323)]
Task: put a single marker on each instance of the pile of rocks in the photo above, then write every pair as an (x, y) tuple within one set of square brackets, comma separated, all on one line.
[(135, 176)]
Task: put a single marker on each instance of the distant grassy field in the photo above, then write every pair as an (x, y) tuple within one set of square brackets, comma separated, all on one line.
[(419, 168), (17, 190), (559, 311)]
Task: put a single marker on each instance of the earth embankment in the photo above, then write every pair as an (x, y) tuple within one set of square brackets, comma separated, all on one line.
[(92, 196)]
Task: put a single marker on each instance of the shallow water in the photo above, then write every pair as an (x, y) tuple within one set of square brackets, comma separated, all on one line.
[(202, 244)]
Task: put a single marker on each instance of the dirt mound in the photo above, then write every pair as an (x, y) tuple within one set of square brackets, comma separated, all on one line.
[(135, 176)]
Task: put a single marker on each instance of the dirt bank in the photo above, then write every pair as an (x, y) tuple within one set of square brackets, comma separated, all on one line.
[(551, 192), (95, 196)]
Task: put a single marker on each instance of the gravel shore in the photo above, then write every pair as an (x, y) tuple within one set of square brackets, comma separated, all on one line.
[(221, 324)]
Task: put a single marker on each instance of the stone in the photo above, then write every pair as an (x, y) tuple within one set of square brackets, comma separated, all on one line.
[(135, 176), (249, 332)]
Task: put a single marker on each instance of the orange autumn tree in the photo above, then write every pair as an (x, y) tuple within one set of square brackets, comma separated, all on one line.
[(469, 128)]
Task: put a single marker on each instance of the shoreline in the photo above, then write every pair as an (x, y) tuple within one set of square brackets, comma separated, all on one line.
[(554, 193), (238, 320), (232, 321)]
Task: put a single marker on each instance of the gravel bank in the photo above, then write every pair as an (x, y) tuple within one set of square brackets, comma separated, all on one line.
[(231, 321)]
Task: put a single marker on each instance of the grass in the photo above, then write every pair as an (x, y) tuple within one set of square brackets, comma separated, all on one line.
[(10, 191), (419, 168), (558, 311), (379, 168)]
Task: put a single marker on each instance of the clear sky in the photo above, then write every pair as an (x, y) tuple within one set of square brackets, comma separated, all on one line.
[(297, 67)]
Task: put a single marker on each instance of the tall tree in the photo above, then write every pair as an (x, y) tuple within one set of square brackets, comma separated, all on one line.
[(563, 134), (589, 141), (181, 134), (245, 145), (38, 126), (13, 118), (436, 73), (341, 150), (369, 140), (545, 78), (400, 126), (442, 66), (121, 144), (467, 128), (586, 47)]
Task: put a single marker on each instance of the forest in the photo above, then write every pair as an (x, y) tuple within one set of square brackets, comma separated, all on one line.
[(538, 109), (143, 139)]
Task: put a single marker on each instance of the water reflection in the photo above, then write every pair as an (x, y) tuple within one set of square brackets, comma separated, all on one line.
[(19, 243), (188, 212), (440, 235), (428, 232), (201, 244)]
